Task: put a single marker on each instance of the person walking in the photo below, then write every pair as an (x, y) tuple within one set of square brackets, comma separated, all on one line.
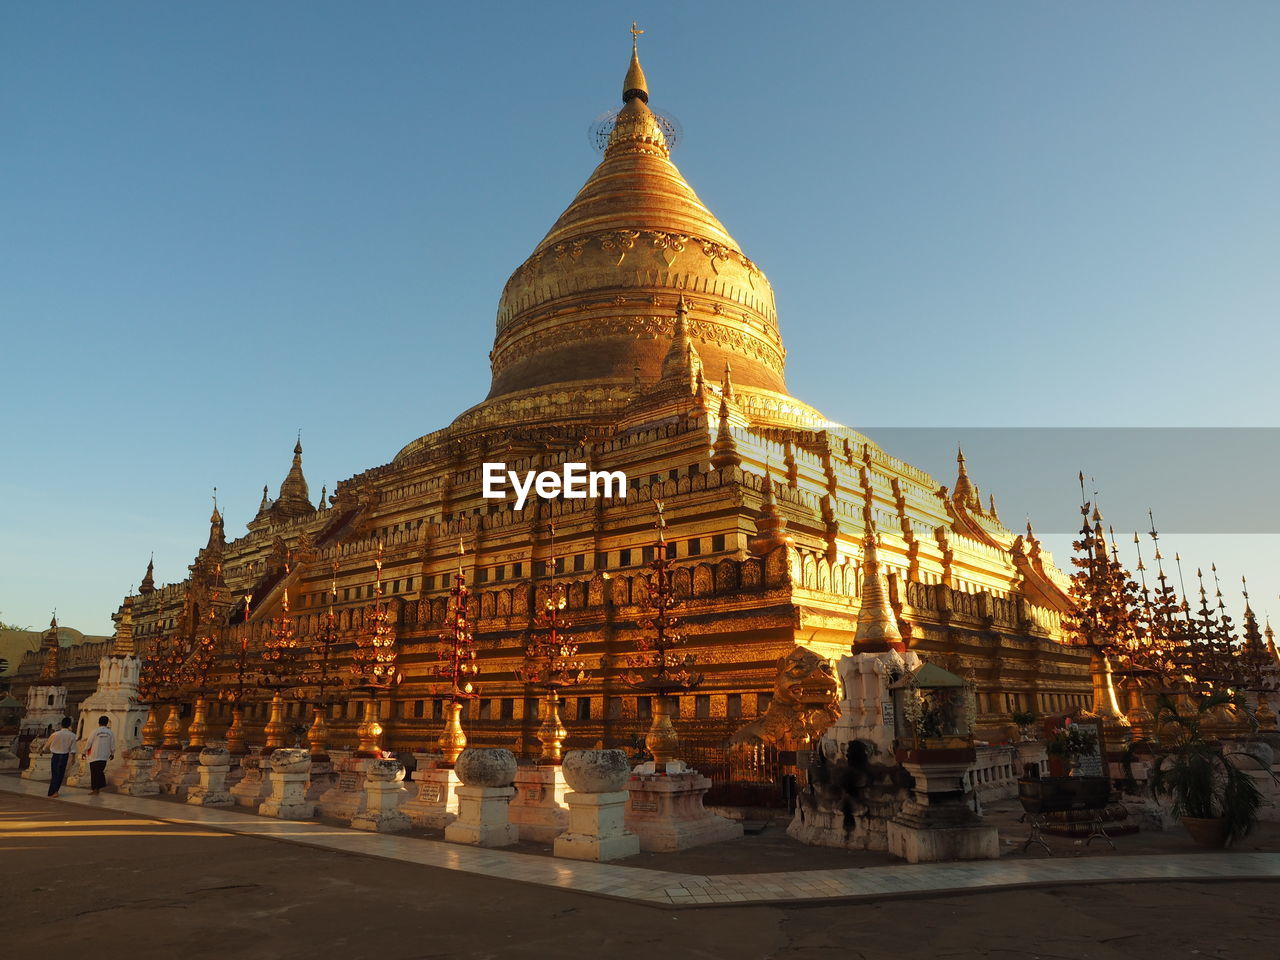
[(59, 746), (101, 748)]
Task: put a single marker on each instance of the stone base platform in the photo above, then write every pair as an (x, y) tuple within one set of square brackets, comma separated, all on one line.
[(930, 844), (538, 810), (665, 811)]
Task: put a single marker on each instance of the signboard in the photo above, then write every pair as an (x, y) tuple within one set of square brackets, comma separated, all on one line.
[(886, 714), (645, 805), (430, 793), (1092, 764)]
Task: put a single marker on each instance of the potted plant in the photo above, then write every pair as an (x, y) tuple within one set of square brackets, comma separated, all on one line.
[(1216, 801), (1024, 720), (1071, 743)]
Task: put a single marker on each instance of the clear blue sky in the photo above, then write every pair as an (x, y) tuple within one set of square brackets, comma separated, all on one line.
[(220, 223)]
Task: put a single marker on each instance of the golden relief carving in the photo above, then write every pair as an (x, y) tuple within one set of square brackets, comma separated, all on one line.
[(620, 240), (745, 343), (623, 241), (570, 248)]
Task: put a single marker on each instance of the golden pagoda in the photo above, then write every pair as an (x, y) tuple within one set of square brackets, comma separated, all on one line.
[(639, 337)]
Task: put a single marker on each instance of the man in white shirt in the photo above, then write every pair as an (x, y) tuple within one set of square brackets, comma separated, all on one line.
[(59, 745), (100, 749)]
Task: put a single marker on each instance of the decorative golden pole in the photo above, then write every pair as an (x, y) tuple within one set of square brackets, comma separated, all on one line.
[(369, 732), (374, 666), (235, 732), (550, 663), (198, 728), (151, 729), (318, 734), (237, 690), (457, 666), (194, 674), (281, 664), (157, 685), (1104, 615), (657, 667), (1257, 670), (276, 729), (172, 730), (323, 679)]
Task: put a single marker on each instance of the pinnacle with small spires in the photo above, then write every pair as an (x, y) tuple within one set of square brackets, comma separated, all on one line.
[(771, 524), (726, 448), (877, 629), (148, 584)]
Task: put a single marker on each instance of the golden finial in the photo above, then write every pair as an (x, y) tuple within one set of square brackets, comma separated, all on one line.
[(964, 490), (635, 86)]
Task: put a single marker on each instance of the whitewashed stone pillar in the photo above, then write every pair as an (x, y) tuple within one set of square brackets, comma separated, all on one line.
[(39, 765), (253, 786), (383, 790), (344, 798), (597, 807), (484, 798), (538, 810), (139, 773), (290, 771), (436, 804), (211, 790)]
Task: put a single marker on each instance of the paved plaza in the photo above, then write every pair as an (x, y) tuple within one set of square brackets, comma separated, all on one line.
[(210, 882)]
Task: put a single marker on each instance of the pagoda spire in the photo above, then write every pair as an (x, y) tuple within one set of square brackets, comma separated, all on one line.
[(726, 386), (682, 362), (771, 524), (294, 499), (877, 630), (51, 649), (217, 532), (148, 584), (634, 85), (726, 448), (1252, 635), (964, 490), (636, 128), (122, 645)]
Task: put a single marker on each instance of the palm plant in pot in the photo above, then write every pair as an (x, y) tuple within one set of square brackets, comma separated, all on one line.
[(1216, 800)]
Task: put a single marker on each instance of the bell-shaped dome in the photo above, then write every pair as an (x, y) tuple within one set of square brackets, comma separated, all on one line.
[(595, 303)]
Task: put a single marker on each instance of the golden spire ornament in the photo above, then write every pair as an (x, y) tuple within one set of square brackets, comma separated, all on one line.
[(195, 673), (551, 663), (322, 678), (457, 666), (658, 667), (374, 666)]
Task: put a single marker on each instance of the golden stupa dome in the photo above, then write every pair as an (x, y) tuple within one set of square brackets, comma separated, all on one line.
[(595, 303)]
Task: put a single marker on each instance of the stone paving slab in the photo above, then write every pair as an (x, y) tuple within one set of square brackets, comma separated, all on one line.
[(669, 889)]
